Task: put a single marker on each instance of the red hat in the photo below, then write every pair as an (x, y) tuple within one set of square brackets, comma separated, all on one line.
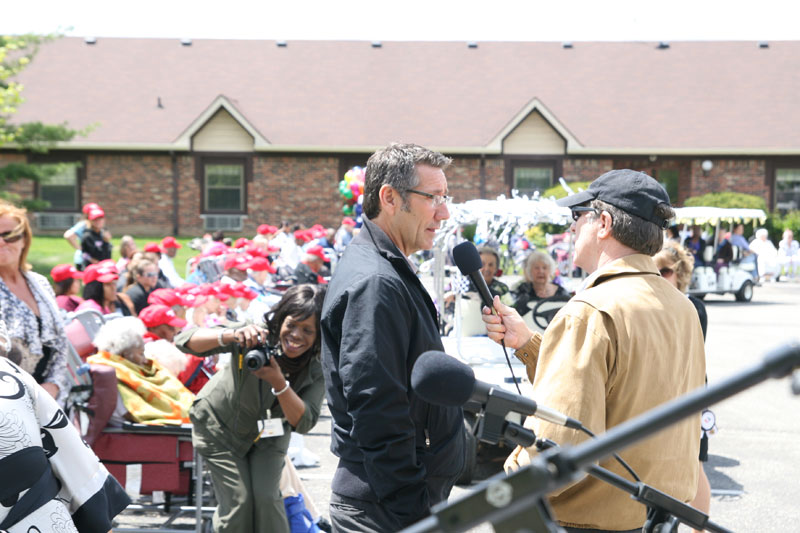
[(152, 247), (347, 221), (266, 229), (157, 315), (213, 290), (88, 207), (272, 249), (238, 261), (303, 235), (191, 295), (95, 213), (104, 271), (170, 242), (317, 251), (241, 242), (317, 231), (65, 271), (215, 248), (260, 264), (168, 297)]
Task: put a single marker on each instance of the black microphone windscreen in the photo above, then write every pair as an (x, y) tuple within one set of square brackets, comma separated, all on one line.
[(467, 258), (441, 379)]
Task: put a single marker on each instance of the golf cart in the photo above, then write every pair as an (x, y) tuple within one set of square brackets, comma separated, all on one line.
[(721, 275), (467, 339)]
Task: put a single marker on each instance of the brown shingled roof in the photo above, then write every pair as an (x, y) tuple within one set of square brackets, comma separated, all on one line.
[(326, 95)]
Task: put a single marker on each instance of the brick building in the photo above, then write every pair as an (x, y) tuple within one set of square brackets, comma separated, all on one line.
[(188, 136)]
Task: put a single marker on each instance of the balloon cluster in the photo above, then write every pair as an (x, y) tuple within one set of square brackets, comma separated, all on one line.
[(352, 190)]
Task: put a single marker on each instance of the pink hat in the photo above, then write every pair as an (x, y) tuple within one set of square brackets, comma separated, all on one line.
[(303, 235), (168, 297), (104, 271), (61, 272), (95, 213), (88, 207), (347, 221), (157, 315), (266, 229), (260, 264), (170, 242), (238, 261), (317, 251), (152, 247)]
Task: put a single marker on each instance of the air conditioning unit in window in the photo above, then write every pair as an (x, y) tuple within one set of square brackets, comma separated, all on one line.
[(223, 222), (48, 221)]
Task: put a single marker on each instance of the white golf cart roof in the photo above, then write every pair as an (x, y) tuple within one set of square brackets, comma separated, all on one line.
[(714, 215), (504, 214)]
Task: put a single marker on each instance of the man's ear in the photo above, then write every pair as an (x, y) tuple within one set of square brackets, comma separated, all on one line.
[(604, 230), (390, 199)]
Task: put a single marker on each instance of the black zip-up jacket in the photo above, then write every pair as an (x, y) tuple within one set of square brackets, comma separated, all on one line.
[(377, 319), (95, 246)]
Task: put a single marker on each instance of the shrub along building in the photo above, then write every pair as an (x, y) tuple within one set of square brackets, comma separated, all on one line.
[(190, 136)]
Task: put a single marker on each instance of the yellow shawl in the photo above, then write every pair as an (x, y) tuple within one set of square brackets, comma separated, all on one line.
[(150, 393)]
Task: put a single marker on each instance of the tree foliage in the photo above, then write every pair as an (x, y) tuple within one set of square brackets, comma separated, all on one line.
[(16, 53), (727, 199), (557, 191)]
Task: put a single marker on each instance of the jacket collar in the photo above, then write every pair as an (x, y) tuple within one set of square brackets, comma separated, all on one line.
[(385, 246), (636, 264)]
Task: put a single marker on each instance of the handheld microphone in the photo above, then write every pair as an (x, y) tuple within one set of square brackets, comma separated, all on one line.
[(441, 379), (468, 261)]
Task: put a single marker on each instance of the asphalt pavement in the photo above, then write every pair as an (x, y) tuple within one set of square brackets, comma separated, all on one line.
[(754, 458)]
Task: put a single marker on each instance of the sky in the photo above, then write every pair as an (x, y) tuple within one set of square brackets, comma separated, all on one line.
[(411, 20)]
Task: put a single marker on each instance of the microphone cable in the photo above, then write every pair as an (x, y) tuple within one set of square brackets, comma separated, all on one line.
[(508, 361), (619, 459)]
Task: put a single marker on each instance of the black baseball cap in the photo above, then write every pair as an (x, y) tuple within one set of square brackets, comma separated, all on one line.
[(632, 191)]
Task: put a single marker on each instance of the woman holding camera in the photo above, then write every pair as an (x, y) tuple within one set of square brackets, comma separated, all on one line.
[(242, 418)]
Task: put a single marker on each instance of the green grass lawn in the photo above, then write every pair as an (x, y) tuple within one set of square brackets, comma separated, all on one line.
[(47, 252)]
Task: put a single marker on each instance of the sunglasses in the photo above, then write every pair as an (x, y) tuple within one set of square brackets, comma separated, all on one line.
[(12, 236), (578, 211)]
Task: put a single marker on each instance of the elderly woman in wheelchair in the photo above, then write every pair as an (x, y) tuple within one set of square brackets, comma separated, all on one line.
[(147, 392)]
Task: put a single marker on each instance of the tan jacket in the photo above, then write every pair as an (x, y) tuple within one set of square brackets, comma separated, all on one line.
[(627, 343)]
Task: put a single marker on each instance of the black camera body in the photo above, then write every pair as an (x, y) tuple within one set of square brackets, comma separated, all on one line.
[(259, 356)]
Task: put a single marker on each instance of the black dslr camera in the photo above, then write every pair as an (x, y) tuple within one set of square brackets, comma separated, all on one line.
[(259, 356)]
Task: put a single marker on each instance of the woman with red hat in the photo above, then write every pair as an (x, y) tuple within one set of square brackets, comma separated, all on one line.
[(96, 243), (67, 286), (100, 290), (74, 235)]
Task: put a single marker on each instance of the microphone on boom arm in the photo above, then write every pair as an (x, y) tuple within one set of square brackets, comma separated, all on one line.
[(441, 379)]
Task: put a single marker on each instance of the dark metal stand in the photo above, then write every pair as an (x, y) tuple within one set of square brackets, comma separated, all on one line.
[(515, 503)]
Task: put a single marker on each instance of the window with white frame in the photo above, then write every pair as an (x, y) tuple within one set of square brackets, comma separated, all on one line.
[(61, 189), (224, 187), (529, 179)]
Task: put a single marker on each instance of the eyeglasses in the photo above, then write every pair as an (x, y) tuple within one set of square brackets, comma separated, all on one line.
[(578, 211), (150, 274), (11, 236), (438, 199)]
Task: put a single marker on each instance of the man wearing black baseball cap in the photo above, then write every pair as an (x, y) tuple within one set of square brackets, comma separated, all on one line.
[(625, 343)]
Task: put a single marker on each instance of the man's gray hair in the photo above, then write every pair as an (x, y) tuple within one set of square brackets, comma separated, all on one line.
[(396, 165), (120, 335), (635, 232)]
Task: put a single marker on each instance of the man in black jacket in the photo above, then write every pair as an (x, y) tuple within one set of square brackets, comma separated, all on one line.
[(398, 455)]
